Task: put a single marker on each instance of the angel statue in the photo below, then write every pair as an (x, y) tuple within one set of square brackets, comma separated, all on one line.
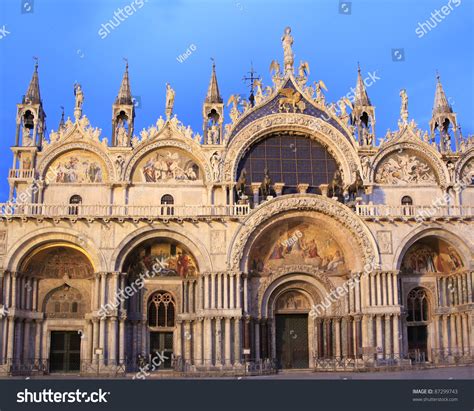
[(234, 111), (257, 84), (318, 85), (169, 101), (275, 68), (303, 69), (79, 96), (343, 103), (404, 106), (288, 56)]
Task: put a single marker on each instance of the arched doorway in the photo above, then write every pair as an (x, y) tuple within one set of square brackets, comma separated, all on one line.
[(161, 324), (58, 284), (417, 323), (291, 322), (429, 272)]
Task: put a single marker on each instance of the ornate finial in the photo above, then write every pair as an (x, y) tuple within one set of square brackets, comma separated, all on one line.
[(251, 78), (36, 59), (358, 67), (213, 63), (126, 63), (61, 122), (288, 56)]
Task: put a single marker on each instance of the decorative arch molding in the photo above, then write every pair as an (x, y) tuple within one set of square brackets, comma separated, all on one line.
[(193, 149), (314, 288), (336, 143), (54, 236), (52, 155), (435, 231), (462, 162), (134, 239), (425, 151), (252, 226)]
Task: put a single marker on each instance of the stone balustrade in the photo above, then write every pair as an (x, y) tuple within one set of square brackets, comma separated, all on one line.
[(122, 211)]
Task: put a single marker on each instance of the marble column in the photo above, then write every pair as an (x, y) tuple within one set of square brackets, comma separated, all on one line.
[(378, 326), (112, 341), (226, 291), (396, 336), (232, 293), (213, 290), (207, 342), (218, 341), (452, 331), (459, 334), (337, 326), (227, 345), (38, 339), (26, 340), (96, 339), (465, 334), (390, 299), (187, 341), (197, 340), (88, 340), (178, 339), (206, 291), (388, 336), (102, 325), (257, 339), (445, 334), (237, 341), (372, 289)]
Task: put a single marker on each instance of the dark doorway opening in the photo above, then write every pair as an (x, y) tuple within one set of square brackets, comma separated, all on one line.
[(417, 342), (161, 350), (65, 352), (292, 340)]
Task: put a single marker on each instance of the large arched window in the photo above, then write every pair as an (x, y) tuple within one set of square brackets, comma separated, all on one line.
[(161, 310), (417, 305), (407, 201), (290, 159)]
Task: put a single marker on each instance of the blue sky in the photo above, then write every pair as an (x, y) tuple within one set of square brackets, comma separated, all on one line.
[(65, 36)]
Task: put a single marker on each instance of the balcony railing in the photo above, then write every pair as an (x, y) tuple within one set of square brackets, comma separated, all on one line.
[(22, 174), (122, 211), (417, 212)]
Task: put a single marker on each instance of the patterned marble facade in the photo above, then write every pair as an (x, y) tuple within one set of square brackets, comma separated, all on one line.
[(291, 237)]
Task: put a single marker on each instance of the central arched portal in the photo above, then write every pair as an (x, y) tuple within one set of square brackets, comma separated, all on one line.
[(291, 326)]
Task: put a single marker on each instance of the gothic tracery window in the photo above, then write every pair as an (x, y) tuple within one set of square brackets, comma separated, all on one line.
[(161, 310), (417, 305)]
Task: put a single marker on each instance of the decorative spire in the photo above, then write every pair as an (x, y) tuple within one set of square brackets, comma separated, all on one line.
[(61, 122), (33, 95), (441, 103), (124, 95), (213, 95), (360, 95)]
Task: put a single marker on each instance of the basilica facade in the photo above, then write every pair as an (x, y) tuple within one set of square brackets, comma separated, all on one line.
[(291, 237)]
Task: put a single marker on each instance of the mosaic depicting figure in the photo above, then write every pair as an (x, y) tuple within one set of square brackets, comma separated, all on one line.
[(433, 257), (168, 165), (404, 168), (75, 168), (300, 243), (173, 260)]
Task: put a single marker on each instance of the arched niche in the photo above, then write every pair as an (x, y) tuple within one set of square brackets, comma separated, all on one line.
[(77, 167), (167, 165), (58, 261), (431, 255), (161, 257), (305, 240)]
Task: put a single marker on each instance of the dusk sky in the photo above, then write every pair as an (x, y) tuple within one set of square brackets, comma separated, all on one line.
[(386, 37)]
